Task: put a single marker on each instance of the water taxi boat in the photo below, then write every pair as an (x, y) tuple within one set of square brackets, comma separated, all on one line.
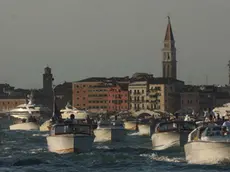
[(171, 135), (70, 137), (208, 145)]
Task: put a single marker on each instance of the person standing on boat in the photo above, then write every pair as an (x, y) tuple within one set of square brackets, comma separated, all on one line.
[(227, 123), (211, 121)]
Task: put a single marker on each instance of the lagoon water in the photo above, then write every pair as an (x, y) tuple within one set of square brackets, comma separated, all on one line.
[(26, 151)]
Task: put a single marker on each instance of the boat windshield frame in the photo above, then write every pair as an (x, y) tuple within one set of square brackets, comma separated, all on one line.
[(176, 126), (71, 128)]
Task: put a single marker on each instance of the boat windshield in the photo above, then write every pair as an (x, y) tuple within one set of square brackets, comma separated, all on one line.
[(212, 131), (175, 126), (71, 129)]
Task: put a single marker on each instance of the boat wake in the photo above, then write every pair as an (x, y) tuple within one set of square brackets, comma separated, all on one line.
[(156, 157)]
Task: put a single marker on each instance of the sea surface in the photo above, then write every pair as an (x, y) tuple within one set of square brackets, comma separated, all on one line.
[(26, 151)]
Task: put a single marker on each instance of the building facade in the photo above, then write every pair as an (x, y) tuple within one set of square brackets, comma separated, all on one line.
[(155, 94), (8, 103), (101, 94)]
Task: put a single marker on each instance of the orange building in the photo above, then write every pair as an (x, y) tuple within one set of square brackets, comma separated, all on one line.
[(95, 94)]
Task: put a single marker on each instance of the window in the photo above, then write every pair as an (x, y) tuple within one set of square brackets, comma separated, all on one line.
[(143, 91), (142, 98), (83, 98)]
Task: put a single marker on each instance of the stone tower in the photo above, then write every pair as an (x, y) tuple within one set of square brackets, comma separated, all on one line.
[(169, 65), (47, 81)]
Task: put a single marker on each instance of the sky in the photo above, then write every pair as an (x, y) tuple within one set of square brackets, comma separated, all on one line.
[(89, 38)]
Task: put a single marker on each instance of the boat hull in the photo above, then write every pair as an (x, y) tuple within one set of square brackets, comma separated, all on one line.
[(69, 143), (25, 126), (203, 152), (169, 140), (109, 134), (144, 129), (130, 125), (45, 126)]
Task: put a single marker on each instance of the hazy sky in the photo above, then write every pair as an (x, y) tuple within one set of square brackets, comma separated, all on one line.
[(83, 38)]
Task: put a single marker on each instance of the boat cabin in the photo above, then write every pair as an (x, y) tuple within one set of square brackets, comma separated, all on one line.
[(209, 133), (59, 129), (176, 126)]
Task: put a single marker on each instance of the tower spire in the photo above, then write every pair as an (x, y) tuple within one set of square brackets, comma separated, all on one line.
[(169, 53), (169, 33)]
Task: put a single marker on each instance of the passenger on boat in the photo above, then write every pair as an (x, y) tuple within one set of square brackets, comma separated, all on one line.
[(211, 121), (224, 131), (227, 123), (88, 120)]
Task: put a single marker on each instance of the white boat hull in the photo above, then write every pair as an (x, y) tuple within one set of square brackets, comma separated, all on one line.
[(109, 134), (144, 129), (169, 140), (45, 126), (25, 126), (69, 143), (202, 152), (130, 125)]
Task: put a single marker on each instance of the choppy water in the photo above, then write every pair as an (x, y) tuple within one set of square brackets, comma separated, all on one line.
[(27, 152)]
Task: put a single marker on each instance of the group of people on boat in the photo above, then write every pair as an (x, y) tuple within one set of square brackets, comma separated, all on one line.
[(29, 119)]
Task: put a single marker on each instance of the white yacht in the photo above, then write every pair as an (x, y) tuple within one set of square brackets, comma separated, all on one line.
[(28, 116), (70, 137), (208, 145), (79, 114), (110, 131)]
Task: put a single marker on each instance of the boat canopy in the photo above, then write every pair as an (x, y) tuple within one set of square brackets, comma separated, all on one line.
[(175, 126), (205, 132), (71, 128)]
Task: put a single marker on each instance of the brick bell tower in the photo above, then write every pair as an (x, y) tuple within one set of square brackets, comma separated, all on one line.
[(169, 63), (47, 81)]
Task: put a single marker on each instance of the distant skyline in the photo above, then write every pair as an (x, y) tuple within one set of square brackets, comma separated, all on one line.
[(107, 38)]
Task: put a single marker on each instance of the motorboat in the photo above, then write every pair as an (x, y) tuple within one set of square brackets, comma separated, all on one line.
[(223, 110), (68, 137), (147, 122), (208, 145), (131, 123), (80, 115), (110, 131), (171, 135)]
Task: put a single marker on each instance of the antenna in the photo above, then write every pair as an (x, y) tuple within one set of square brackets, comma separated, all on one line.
[(189, 80), (206, 79), (228, 72)]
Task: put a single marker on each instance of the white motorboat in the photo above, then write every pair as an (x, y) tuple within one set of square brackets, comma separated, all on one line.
[(208, 145), (171, 135), (110, 131), (65, 113), (70, 137), (222, 110)]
